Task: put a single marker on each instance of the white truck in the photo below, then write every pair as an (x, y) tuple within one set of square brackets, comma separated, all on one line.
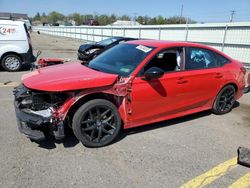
[(15, 45)]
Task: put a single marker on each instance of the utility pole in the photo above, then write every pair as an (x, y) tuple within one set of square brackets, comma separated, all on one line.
[(135, 17), (232, 15), (181, 13)]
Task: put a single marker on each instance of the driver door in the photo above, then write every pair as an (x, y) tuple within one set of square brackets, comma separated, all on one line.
[(155, 99)]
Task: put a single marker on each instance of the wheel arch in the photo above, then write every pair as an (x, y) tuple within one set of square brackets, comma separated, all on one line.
[(9, 53), (109, 97), (233, 84)]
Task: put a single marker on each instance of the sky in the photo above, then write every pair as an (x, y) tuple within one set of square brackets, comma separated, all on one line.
[(198, 10)]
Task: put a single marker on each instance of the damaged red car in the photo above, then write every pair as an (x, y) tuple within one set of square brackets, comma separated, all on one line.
[(132, 84)]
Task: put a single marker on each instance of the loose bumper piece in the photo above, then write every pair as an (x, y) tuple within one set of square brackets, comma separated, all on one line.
[(244, 156)]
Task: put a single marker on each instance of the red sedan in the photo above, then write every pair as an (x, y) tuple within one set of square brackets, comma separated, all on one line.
[(132, 84)]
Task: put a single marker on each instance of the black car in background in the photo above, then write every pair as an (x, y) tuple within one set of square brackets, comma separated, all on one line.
[(87, 52)]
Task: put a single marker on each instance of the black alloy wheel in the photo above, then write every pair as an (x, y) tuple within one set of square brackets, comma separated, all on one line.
[(97, 123), (225, 100)]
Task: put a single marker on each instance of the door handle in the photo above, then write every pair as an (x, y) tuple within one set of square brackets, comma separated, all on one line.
[(182, 81), (218, 75)]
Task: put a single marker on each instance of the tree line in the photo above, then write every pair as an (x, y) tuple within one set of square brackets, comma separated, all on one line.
[(105, 19)]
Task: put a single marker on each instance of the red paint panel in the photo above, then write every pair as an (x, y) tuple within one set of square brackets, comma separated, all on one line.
[(65, 77)]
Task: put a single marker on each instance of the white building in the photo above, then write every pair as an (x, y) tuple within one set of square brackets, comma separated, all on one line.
[(125, 23)]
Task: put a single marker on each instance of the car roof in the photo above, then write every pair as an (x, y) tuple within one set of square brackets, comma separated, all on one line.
[(165, 43), (121, 38), (11, 22), (168, 44)]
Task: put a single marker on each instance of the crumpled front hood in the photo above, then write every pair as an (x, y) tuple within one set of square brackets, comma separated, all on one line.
[(86, 47), (65, 77)]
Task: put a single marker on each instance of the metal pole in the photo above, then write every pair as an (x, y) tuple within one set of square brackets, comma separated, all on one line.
[(159, 37), (186, 38), (139, 32), (224, 38), (232, 15), (181, 13), (102, 33), (80, 32), (87, 34), (75, 32)]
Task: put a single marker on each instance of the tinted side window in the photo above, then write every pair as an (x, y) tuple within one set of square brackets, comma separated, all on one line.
[(198, 58), (169, 60), (221, 60)]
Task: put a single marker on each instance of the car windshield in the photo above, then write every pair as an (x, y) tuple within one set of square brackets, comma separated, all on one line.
[(121, 59), (107, 42)]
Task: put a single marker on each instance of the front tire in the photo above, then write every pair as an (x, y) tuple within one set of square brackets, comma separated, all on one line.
[(11, 63), (96, 123), (224, 101)]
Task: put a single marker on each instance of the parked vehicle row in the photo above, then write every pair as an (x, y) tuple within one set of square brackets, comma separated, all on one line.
[(132, 84)]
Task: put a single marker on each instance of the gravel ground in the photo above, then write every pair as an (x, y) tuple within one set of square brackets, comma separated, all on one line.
[(165, 154)]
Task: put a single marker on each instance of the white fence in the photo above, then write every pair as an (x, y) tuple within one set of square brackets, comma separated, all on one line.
[(231, 38)]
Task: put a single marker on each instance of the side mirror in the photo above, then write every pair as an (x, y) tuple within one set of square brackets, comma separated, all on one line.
[(153, 73)]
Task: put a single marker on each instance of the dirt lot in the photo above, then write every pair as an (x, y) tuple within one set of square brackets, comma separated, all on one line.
[(165, 154)]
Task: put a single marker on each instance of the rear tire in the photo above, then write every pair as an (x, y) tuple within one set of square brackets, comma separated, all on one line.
[(96, 123), (11, 63), (224, 101)]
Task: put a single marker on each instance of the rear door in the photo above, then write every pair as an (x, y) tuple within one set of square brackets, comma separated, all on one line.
[(203, 71)]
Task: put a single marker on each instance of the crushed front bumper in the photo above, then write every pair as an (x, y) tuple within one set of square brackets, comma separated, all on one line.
[(31, 134), (34, 125)]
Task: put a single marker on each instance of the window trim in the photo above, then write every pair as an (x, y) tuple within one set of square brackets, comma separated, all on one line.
[(141, 73)]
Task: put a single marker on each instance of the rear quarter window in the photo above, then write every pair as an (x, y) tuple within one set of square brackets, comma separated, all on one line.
[(221, 60), (199, 58)]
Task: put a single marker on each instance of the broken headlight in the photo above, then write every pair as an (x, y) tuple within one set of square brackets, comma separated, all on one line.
[(38, 100)]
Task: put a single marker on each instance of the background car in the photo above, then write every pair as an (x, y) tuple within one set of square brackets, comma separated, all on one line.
[(91, 22), (15, 45), (129, 85), (87, 52)]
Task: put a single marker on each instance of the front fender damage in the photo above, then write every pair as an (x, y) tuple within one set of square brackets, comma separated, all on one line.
[(121, 89), (37, 111)]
